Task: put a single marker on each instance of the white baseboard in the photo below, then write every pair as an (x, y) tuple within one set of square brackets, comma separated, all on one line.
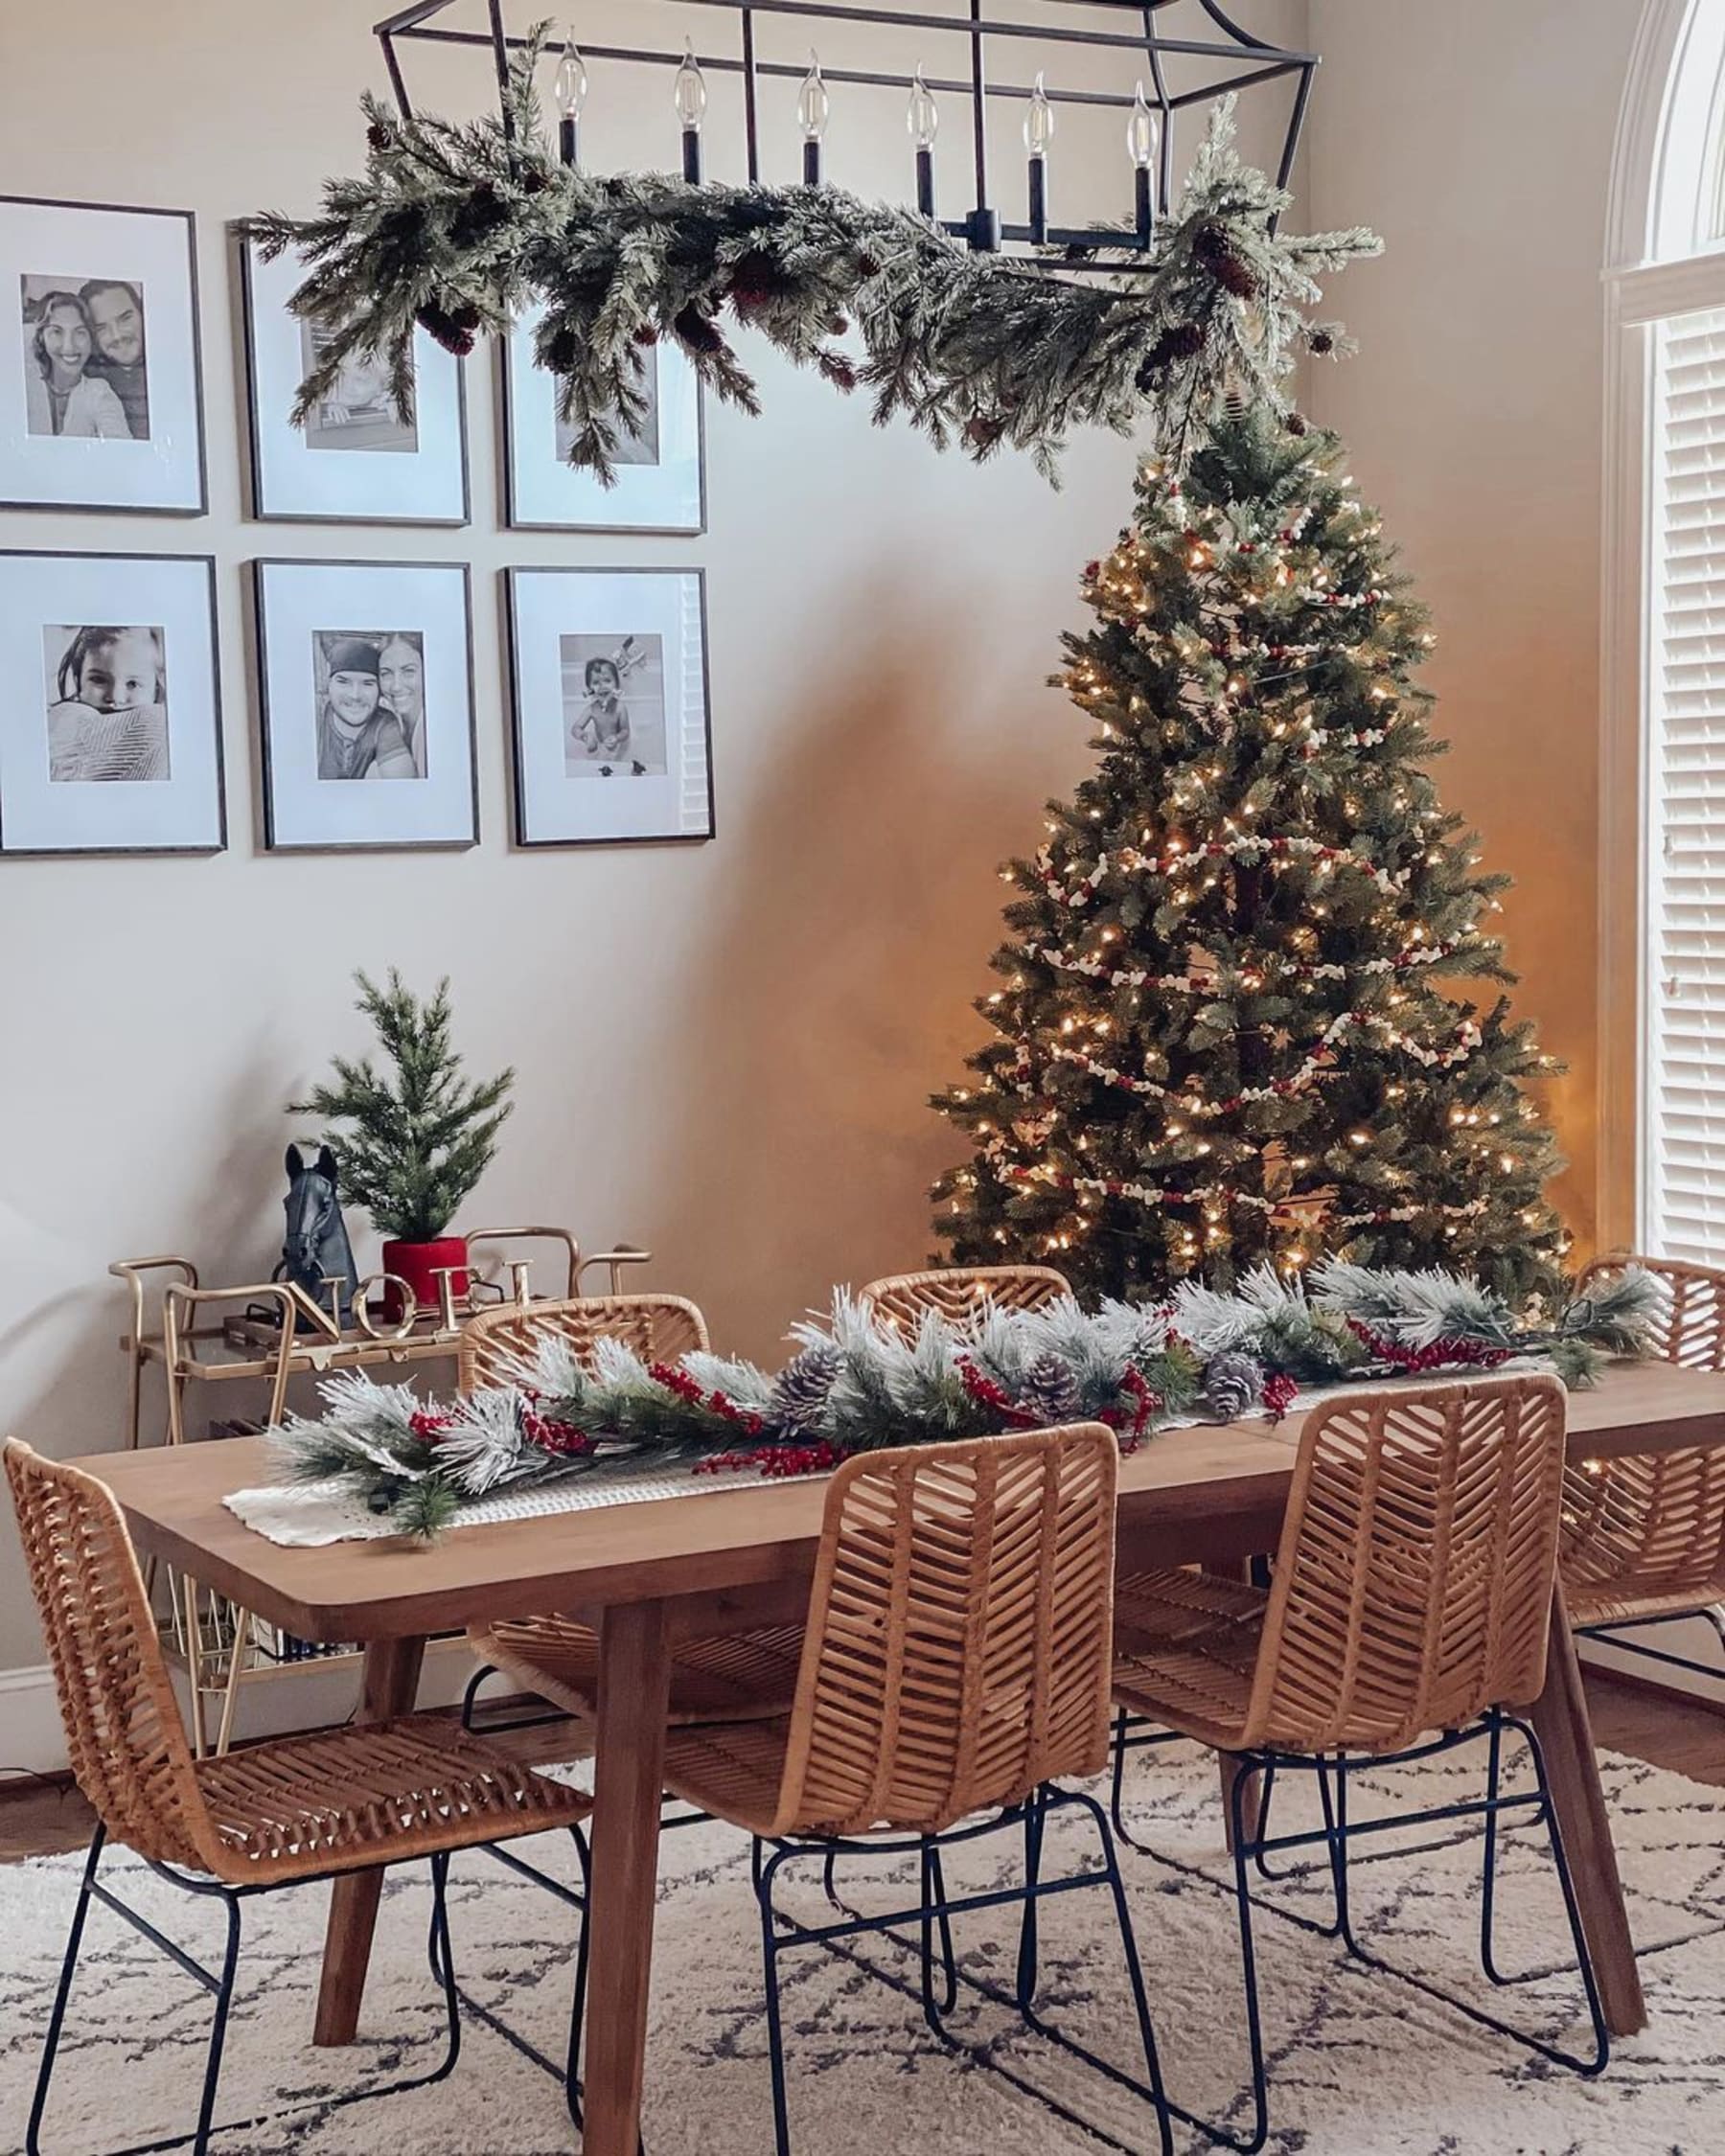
[(32, 1740)]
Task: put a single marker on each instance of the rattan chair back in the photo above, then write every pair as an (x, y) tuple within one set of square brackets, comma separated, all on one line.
[(960, 1630), (124, 1734), (1413, 1588), (956, 1291), (657, 1327), (1651, 1528)]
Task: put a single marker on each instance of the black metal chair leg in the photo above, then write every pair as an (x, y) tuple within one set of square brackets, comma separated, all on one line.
[(935, 1920), (1140, 1999), (56, 2019), (1560, 1857), (470, 1699), (765, 1874), (578, 2007), (1255, 2028), (1028, 1955), (443, 1952), (225, 2000), (1494, 1780), (1334, 1828)]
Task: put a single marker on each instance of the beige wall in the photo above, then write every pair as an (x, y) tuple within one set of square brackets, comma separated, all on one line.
[(725, 1050), (1477, 137)]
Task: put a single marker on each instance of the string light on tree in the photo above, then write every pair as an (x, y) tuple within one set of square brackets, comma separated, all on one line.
[(1235, 1022)]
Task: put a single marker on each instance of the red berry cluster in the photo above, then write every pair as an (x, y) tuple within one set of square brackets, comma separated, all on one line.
[(774, 1461), (1145, 1401), (992, 1394), (715, 1402), (1471, 1354), (1279, 1395), (552, 1436), (424, 1424)]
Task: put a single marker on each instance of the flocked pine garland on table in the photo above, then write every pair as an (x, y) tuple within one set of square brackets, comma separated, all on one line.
[(856, 1385), (460, 229)]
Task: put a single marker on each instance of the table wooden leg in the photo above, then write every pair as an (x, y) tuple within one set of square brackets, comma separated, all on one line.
[(388, 1687), (1560, 1721), (628, 1764), (1239, 1570)]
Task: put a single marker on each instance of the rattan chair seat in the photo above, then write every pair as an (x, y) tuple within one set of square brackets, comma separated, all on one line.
[(339, 1800), (1173, 1606), (1186, 1650), (1645, 1536), (733, 1770), (729, 1677)]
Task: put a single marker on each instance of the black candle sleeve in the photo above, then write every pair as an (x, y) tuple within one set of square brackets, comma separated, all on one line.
[(1038, 200), (568, 140), (692, 155), (811, 164), (925, 183)]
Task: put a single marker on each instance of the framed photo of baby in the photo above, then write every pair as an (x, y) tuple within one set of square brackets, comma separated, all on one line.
[(358, 458), (101, 401), (611, 736), (366, 703), (110, 736)]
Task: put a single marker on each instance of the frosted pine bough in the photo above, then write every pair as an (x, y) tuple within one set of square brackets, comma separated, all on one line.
[(856, 1385)]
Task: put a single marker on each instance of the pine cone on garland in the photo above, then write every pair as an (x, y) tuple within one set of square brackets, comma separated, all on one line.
[(563, 351), (1322, 342), (452, 328), (1213, 249), (982, 433), (534, 179), (836, 369), (756, 281), (1049, 1389), (1297, 425), (695, 326), (1180, 341), (1233, 1385), (799, 1391), (483, 212), (381, 136)]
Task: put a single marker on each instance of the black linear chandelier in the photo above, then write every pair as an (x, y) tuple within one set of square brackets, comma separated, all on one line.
[(1245, 62)]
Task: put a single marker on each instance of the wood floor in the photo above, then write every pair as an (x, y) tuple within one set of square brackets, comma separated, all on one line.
[(44, 1818)]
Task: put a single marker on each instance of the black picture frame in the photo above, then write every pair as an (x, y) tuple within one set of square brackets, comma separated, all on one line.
[(269, 762), (257, 504), (509, 426), (187, 219), (514, 577), (201, 850)]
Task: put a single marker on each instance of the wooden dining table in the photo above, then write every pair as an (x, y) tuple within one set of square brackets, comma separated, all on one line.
[(647, 1575)]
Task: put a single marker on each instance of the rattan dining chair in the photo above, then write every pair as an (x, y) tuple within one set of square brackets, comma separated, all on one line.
[(957, 1662), (956, 1291), (284, 1813), (1644, 1538), (1412, 1593), (729, 1677)]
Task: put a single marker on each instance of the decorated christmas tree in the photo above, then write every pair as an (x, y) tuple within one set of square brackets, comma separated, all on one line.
[(1232, 1022)]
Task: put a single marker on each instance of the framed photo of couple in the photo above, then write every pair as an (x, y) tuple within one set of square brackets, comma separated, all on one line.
[(366, 705), (356, 459), (101, 391), (613, 739), (110, 723), (660, 477)]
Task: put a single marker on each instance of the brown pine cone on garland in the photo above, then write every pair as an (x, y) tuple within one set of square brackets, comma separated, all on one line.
[(1180, 341), (756, 281), (534, 179), (381, 135), (563, 351), (1322, 342), (1213, 249), (982, 432), (452, 329), (480, 215), (1297, 425), (695, 326), (836, 369)]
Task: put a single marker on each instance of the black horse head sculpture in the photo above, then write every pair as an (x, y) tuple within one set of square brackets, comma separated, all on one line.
[(316, 1249)]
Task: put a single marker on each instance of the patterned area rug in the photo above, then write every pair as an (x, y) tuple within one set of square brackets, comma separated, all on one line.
[(1362, 2064)]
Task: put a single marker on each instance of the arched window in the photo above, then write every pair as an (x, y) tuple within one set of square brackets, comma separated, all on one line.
[(1661, 885)]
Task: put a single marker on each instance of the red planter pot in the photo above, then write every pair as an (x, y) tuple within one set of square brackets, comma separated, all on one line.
[(418, 1265)]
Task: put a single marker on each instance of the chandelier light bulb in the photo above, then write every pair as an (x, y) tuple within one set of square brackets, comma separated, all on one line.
[(813, 106), (1141, 131), (922, 115), (571, 87), (1039, 120), (689, 92)]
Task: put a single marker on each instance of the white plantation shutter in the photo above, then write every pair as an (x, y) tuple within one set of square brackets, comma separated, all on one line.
[(1684, 961)]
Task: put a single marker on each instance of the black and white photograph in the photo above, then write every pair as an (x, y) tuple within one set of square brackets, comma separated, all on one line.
[(369, 690), (660, 480), (359, 415), (637, 444), (100, 392), (357, 459), (87, 372), (609, 684), (614, 707), (111, 737), (366, 703), (106, 689)]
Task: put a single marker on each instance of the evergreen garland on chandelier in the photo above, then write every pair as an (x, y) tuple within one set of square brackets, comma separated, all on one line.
[(462, 228)]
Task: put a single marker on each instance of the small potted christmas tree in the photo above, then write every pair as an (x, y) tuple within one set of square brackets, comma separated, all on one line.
[(413, 1142)]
